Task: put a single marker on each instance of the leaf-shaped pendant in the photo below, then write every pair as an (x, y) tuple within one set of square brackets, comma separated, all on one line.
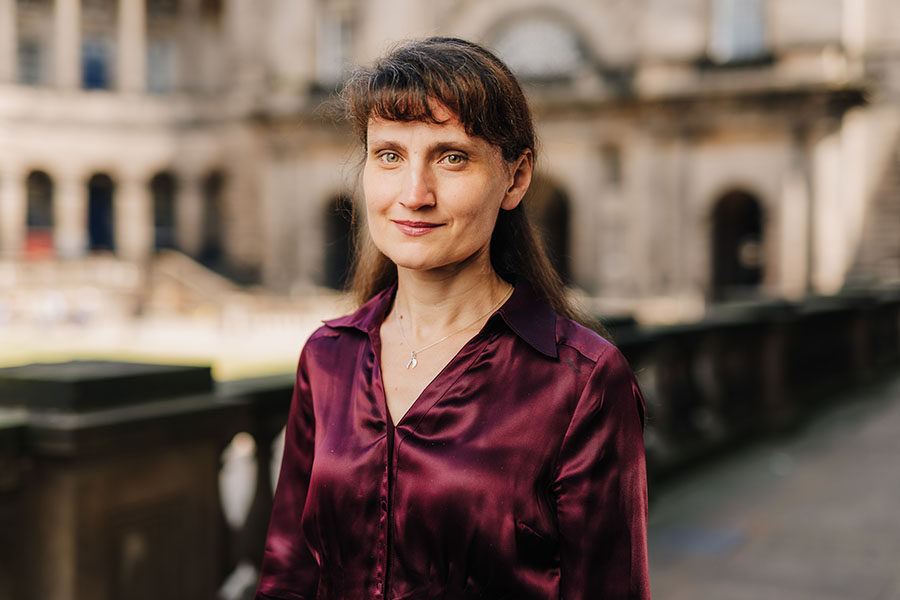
[(412, 361)]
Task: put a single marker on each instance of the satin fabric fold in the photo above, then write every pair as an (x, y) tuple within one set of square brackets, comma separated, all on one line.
[(518, 473)]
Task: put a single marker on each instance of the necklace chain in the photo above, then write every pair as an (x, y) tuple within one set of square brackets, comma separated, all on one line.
[(413, 361)]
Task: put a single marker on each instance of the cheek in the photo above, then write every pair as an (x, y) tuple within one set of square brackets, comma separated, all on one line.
[(375, 191)]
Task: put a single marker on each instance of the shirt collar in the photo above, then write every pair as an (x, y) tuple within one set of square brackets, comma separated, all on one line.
[(525, 313)]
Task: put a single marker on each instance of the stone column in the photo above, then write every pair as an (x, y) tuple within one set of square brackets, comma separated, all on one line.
[(794, 232), (8, 41), (13, 209), (132, 45), (133, 218), (67, 48), (189, 216), (70, 233)]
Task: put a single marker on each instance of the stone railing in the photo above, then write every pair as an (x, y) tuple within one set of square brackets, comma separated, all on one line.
[(110, 474), (751, 369)]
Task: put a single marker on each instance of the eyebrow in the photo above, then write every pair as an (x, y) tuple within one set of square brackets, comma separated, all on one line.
[(436, 148)]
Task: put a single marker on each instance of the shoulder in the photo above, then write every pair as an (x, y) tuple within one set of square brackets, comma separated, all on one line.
[(612, 387), (586, 342)]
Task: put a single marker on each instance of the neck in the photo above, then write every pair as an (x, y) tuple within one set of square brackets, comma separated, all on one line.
[(435, 304)]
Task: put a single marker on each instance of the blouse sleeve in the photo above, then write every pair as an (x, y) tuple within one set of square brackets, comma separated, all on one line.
[(601, 489), (289, 570)]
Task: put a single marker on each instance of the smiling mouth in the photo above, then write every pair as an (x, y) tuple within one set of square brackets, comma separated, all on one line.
[(416, 227)]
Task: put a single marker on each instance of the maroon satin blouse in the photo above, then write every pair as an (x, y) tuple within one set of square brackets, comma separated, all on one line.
[(518, 472)]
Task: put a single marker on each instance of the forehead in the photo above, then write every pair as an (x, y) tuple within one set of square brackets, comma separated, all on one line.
[(446, 123)]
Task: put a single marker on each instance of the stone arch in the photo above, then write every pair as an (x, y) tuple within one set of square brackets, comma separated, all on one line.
[(163, 187), (101, 211), (549, 209), (540, 44), (338, 236), (738, 236), (39, 214)]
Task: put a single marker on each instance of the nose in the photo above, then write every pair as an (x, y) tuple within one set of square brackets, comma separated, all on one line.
[(418, 191)]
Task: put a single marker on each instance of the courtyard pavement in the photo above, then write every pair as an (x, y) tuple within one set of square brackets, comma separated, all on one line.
[(814, 515)]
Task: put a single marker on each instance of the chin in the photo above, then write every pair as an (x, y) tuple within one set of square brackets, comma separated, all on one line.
[(416, 263)]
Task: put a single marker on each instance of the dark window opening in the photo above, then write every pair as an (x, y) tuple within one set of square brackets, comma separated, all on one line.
[(39, 216), (212, 248), (162, 188), (157, 9), (549, 211), (338, 242), (101, 231), (95, 64), (738, 257)]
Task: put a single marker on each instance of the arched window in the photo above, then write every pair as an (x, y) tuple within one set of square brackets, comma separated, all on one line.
[(539, 47), (548, 208), (162, 188), (39, 193), (338, 239), (100, 213), (212, 249), (737, 245)]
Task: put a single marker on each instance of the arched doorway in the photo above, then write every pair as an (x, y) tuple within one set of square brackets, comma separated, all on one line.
[(548, 208), (737, 246), (338, 227), (101, 234), (162, 189), (212, 247), (39, 217)]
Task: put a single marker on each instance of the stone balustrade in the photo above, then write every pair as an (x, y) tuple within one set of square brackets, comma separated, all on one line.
[(109, 472)]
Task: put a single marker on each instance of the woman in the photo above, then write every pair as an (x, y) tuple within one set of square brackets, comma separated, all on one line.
[(458, 436)]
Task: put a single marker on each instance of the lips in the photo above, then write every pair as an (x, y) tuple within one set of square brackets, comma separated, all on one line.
[(415, 228)]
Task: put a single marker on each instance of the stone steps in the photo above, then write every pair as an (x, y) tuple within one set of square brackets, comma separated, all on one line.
[(878, 256)]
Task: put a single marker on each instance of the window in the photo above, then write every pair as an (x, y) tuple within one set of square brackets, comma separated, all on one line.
[(738, 31), (161, 8), (162, 71), (338, 227), (333, 46), (211, 9), (31, 63), (95, 63), (212, 252), (537, 47), (39, 217), (100, 213), (737, 245), (98, 9), (162, 188)]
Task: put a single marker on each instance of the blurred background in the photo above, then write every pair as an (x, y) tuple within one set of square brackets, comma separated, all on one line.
[(719, 180)]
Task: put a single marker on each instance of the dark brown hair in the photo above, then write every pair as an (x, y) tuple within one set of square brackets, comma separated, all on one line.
[(489, 103)]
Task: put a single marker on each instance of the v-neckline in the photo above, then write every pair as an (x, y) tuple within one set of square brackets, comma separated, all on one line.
[(375, 337)]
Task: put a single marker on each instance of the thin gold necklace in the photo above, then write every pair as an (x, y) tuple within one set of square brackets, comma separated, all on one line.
[(411, 364)]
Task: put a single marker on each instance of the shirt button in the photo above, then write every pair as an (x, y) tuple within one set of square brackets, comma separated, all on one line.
[(383, 506), (379, 586)]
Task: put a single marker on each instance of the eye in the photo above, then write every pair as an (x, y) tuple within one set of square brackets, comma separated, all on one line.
[(455, 159), (390, 158)]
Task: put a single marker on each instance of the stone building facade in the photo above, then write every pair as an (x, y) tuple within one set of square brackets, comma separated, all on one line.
[(689, 148)]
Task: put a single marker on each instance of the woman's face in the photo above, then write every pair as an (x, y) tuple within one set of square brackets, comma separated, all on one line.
[(433, 192)]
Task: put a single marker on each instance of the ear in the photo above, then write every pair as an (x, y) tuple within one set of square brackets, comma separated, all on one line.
[(521, 178)]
